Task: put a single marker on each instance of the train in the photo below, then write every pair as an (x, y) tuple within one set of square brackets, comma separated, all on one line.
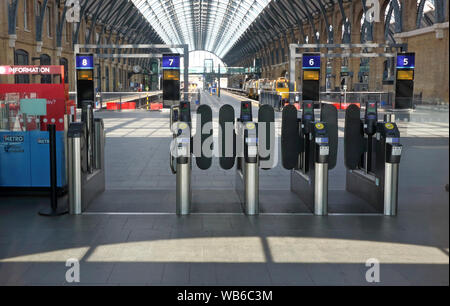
[(253, 88)]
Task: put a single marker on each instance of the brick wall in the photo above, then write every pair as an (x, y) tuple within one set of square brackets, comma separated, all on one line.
[(431, 78)]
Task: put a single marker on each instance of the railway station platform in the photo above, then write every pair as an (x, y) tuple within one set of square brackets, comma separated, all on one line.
[(130, 235)]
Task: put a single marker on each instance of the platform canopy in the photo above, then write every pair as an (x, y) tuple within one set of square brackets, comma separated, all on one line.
[(210, 25)]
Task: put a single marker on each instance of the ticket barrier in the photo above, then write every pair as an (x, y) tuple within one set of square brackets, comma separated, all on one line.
[(248, 155), (253, 144), (181, 155), (372, 157), (309, 150), (86, 148)]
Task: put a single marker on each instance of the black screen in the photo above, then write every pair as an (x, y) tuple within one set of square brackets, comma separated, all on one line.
[(85, 92), (171, 90)]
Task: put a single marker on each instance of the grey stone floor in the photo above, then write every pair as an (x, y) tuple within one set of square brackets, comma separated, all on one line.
[(219, 246)]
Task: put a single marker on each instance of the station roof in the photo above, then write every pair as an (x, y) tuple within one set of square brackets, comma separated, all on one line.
[(229, 29), (210, 25)]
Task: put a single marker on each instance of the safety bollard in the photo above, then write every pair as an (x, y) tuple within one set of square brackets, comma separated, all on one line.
[(54, 209)]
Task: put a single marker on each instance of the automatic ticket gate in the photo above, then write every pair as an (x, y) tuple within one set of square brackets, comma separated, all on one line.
[(247, 144), (181, 155), (372, 157), (247, 166), (309, 150), (251, 147), (86, 155)]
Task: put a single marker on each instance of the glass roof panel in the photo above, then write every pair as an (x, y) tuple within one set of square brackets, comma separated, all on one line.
[(210, 25)]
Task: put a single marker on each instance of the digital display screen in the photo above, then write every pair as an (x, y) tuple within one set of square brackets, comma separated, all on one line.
[(171, 62), (311, 61), (85, 75), (171, 75), (372, 108), (322, 140), (311, 75), (406, 61), (406, 75), (85, 62)]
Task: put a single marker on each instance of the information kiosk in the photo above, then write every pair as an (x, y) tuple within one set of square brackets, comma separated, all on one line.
[(25, 112)]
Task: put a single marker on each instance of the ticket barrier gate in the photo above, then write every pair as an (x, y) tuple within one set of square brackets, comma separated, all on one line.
[(247, 163), (86, 167), (250, 146), (181, 155), (182, 150), (372, 158), (309, 150)]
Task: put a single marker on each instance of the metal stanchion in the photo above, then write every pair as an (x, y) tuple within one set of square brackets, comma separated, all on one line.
[(321, 189), (391, 189), (54, 209)]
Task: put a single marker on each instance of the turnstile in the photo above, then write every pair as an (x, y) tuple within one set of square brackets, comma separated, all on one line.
[(250, 143), (254, 150), (86, 160), (372, 157), (309, 150), (180, 155), (247, 167)]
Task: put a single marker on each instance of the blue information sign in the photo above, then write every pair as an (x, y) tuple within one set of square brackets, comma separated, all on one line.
[(311, 61), (85, 62), (171, 62), (406, 61)]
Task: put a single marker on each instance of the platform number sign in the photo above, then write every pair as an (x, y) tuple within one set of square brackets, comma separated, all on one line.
[(406, 61), (311, 61), (171, 62), (85, 62)]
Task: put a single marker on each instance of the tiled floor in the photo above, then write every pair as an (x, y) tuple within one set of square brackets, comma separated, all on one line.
[(208, 248)]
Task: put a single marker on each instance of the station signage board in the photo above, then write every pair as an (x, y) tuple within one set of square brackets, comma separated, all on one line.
[(311, 61), (85, 62), (18, 70), (406, 61), (171, 62)]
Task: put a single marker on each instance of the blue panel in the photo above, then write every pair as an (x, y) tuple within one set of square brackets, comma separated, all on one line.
[(171, 62), (406, 61), (15, 159), (33, 107), (40, 159), (311, 61), (85, 62)]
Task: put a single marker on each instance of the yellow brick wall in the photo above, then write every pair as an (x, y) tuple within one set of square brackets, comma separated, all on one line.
[(431, 77)]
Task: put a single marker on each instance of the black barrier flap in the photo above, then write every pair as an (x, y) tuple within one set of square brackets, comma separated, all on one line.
[(290, 138), (266, 141), (329, 115), (227, 136), (204, 117), (354, 137)]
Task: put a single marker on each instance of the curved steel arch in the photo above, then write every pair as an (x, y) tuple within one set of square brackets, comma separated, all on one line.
[(213, 25), (278, 17)]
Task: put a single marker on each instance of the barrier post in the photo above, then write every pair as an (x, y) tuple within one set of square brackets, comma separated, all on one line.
[(54, 210)]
